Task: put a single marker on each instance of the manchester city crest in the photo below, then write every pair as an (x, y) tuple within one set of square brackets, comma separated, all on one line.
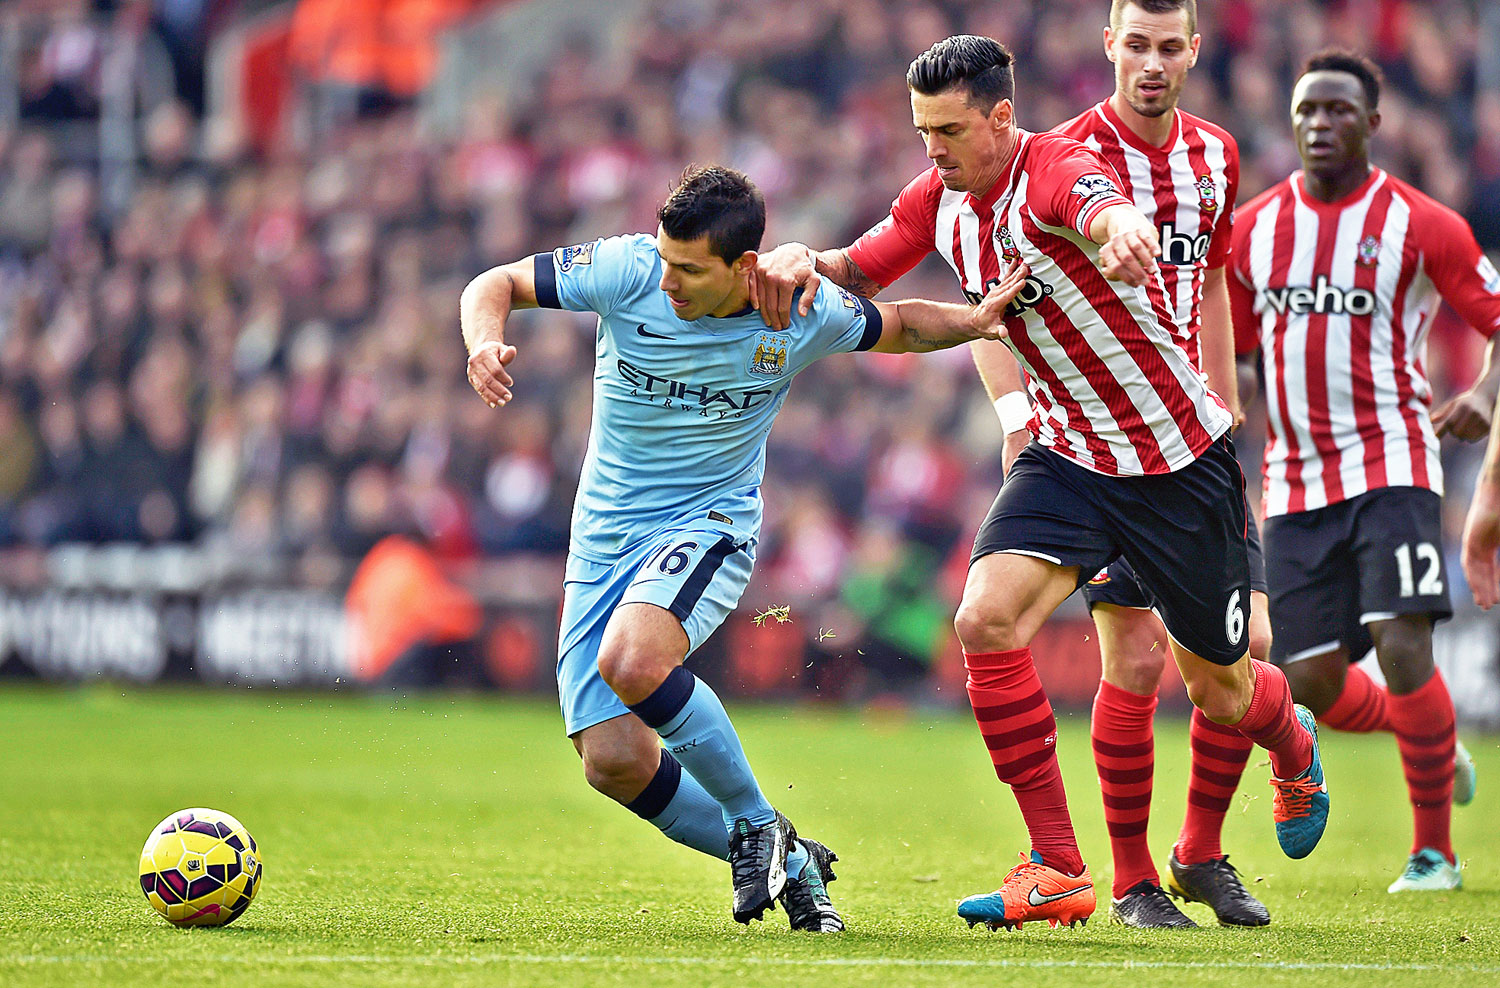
[(769, 358), (1208, 196), (1369, 250)]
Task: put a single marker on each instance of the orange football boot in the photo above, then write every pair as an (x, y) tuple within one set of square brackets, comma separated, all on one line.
[(1033, 891)]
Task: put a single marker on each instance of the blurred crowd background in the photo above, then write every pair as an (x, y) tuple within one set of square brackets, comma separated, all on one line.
[(233, 236)]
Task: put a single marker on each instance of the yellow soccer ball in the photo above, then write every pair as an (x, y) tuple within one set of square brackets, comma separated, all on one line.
[(200, 867)]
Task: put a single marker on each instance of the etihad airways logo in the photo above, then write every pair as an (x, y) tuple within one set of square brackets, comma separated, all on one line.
[(1322, 298), (702, 398)]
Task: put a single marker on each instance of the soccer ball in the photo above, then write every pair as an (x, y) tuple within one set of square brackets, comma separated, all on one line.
[(200, 868)]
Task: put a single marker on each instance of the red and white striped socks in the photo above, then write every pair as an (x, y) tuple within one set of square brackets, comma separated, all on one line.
[(1124, 753), (1362, 706), (1423, 722), (1219, 755), (1015, 719), (1272, 723)]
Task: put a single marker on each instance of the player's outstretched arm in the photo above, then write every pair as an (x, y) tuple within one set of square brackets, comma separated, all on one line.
[(918, 326), (1467, 416), (483, 308), (1482, 528), (1128, 245), (781, 271)]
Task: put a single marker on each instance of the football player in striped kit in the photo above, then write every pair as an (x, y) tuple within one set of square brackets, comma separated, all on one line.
[(1131, 456), (1335, 275), (1182, 172)]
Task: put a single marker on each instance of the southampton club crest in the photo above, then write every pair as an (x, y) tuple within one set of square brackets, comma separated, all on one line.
[(1007, 244), (1369, 250), (1208, 196), (769, 358)]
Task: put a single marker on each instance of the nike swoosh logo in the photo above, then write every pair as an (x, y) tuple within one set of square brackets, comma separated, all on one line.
[(646, 332), (1041, 900)]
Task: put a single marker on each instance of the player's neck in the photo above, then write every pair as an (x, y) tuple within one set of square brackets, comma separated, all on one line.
[(1337, 185), (736, 302), (986, 185), (1155, 131)]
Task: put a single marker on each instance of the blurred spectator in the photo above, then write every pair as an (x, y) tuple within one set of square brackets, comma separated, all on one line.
[(414, 626)]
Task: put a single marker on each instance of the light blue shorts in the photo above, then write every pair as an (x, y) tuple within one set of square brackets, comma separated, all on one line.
[(696, 573)]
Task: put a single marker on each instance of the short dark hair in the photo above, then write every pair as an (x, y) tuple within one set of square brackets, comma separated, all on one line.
[(719, 202), (982, 66), (1116, 7), (1357, 65)]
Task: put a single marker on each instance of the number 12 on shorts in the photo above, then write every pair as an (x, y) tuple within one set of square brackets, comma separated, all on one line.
[(1431, 584)]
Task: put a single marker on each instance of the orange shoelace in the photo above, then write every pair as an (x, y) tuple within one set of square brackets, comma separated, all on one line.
[(1293, 797)]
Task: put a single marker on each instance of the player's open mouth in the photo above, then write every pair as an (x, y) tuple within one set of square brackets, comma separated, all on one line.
[(947, 171), (677, 304), (1153, 88)]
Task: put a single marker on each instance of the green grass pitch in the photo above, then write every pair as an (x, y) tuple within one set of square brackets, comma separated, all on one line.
[(451, 841)]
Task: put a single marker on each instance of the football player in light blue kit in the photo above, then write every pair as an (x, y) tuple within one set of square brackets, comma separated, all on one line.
[(687, 382)]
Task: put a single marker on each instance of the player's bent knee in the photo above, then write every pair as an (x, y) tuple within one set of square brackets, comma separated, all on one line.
[(620, 756), (1136, 673), (632, 671), (1218, 703), (983, 626), (620, 775)]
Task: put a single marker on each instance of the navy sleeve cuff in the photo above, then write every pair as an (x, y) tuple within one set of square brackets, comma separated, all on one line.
[(546, 282), (873, 324)]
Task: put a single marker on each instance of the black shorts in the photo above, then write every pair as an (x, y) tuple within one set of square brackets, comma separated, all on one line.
[(1117, 583), (1334, 570), (1183, 534)]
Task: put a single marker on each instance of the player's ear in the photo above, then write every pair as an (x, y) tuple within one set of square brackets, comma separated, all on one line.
[(1002, 114), (1194, 44), (745, 263), (1109, 46), (1374, 122)]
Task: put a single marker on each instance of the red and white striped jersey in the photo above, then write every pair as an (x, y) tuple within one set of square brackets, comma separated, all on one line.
[(1339, 297), (1113, 391), (1186, 187)]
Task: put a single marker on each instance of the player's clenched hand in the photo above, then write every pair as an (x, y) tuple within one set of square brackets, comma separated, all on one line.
[(989, 314), (1130, 255), (1465, 416), (1481, 542), (777, 274), (487, 374)]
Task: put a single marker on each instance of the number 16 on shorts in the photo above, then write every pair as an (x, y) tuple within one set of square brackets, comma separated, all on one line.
[(698, 575)]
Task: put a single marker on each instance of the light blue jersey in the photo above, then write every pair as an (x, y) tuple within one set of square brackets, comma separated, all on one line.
[(681, 409)]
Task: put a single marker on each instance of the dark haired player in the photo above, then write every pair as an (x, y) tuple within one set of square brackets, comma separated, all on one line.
[(1130, 459), (687, 383), (1336, 274), (1183, 173)]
